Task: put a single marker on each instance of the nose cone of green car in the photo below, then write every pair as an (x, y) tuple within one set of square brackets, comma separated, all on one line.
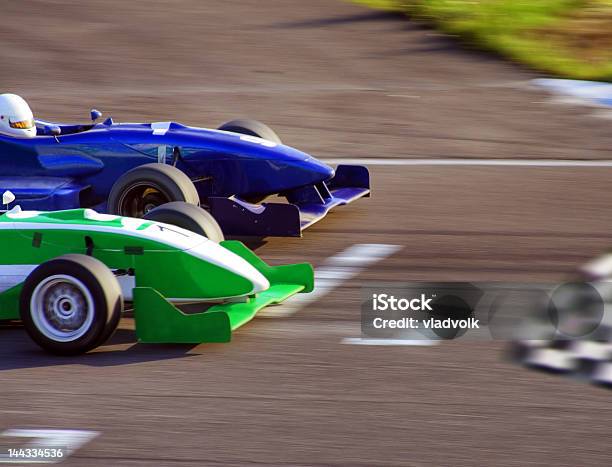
[(234, 276), (246, 281), (206, 270)]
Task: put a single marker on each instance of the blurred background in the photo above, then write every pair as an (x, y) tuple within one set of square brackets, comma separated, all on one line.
[(479, 173), (566, 37)]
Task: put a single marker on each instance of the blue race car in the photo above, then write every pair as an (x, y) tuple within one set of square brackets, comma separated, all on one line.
[(130, 169)]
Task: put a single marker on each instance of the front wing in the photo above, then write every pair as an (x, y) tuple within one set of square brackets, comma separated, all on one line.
[(159, 321), (306, 205)]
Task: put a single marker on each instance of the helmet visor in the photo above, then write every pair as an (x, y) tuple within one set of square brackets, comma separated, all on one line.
[(22, 124)]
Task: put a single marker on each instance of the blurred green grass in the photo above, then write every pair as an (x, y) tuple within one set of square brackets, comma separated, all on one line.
[(570, 38)]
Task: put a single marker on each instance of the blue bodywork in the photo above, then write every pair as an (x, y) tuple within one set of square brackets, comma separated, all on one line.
[(78, 167)]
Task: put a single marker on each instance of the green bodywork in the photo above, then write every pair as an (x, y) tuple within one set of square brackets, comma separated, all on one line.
[(159, 321), (9, 303), (160, 271)]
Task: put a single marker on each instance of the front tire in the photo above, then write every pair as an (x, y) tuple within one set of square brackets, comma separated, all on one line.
[(71, 304), (189, 217), (148, 186)]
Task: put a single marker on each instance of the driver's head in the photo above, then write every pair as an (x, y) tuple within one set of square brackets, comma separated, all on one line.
[(16, 118)]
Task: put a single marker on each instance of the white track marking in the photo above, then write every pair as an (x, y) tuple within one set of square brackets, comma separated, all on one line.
[(404, 96), (281, 328), (336, 270), (602, 113), (337, 330), (475, 162), (591, 92), (409, 342), (69, 440)]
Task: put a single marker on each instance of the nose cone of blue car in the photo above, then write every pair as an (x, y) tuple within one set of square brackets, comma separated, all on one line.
[(295, 162), (267, 167), (319, 170), (295, 168)]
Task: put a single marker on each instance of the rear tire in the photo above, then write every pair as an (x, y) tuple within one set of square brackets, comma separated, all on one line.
[(148, 186), (189, 217), (71, 304), (252, 128)]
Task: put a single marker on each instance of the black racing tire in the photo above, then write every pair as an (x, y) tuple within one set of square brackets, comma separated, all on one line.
[(252, 128), (189, 217), (145, 187), (71, 286)]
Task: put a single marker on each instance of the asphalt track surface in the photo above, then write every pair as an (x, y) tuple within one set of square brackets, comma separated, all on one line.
[(338, 81)]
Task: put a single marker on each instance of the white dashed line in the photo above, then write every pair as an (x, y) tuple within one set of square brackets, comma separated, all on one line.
[(587, 92), (332, 273), (475, 162), (389, 342), (67, 440)]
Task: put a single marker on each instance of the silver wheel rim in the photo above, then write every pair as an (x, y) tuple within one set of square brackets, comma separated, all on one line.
[(62, 308)]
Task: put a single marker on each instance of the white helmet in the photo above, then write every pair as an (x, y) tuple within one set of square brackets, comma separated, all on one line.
[(16, 118)]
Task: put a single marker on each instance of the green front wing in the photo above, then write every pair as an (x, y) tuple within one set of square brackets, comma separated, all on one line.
[(159, 321)]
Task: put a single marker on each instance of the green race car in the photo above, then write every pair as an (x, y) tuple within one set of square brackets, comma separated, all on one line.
[(66, 275)]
